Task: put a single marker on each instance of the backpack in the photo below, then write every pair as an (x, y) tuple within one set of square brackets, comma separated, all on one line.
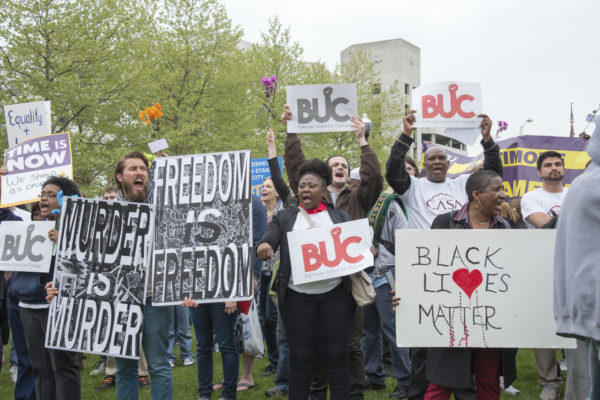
[(376, 217)]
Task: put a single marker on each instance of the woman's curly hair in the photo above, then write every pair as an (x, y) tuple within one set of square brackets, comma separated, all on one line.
[(318, 168), (68, 187)]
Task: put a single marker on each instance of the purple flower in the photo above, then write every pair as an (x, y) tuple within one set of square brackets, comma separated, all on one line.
[(502, 125), (265, 81), (273, 80)]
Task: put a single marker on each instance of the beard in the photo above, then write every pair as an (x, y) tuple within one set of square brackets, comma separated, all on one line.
[(553, 177), (134, 195)]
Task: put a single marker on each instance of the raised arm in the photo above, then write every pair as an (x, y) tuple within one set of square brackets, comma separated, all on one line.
[(371, 180), (395, 170), (293, 156), (491, 150), (276, 176)]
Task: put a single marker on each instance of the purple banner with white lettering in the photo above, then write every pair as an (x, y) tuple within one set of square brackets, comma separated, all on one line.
[(30, 163), (519, 158)]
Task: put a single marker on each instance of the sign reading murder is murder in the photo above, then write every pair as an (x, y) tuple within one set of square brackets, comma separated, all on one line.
[(329, 252), (102, 260), (30, 163), (24, 246), (26, 121), (203, 242), (476, 288), (322, 108)]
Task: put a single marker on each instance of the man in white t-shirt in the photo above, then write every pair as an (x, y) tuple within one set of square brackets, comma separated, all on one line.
[(428, 197), (538, 207)]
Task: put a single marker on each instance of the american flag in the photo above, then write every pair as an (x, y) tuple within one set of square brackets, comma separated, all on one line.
[(572, 121)]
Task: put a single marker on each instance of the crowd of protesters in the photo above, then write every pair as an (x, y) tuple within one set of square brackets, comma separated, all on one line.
[(317, 338)]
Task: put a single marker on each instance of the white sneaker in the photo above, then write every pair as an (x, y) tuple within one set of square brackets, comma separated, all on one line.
[(188, 362), (511, 390), (563, 365), (99, 369), (14, 372), (549, 393)]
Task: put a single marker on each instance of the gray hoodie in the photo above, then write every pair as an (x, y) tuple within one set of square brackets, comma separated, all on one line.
[(577, 253)]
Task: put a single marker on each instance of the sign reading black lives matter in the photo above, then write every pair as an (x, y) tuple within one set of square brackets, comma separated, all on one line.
[(321, 108), (203, 242), (101, 274)]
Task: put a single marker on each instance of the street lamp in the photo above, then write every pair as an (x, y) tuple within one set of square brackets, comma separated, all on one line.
[(368, 125), (522, 126)]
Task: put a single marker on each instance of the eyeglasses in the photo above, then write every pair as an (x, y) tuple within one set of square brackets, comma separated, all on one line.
[(48, 195)]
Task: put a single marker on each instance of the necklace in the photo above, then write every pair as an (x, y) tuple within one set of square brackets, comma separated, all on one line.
[(480, 223)]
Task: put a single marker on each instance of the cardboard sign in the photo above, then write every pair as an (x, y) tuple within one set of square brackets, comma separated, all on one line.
[(322, 108), (203, 242), (158, 145), (329, 252), (102, 261), (30, 163), (448, 105), (24, 246), (476, 288), (261, 171), (26, 121)]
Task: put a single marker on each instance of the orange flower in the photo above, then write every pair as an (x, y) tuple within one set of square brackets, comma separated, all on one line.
[(158, 106), (141, 114), (147, 122)]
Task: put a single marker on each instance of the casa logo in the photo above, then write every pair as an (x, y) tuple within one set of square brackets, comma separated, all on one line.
[(443, 202)]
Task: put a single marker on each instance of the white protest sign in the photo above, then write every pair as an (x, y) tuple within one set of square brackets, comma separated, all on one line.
[(474, 288), (24, 246), (26, 121), (30, 163), (329, 252), (158, 145), (322, 108), (449, 105)]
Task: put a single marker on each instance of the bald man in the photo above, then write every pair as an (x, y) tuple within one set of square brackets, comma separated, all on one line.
[(435, 194)]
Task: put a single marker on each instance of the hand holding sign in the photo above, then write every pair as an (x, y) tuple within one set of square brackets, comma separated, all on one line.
[(486, 127)]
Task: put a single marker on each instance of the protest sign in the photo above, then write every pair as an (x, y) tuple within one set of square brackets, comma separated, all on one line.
[(26, 121), (476, 288), (329, 252), (158, 145), (260, 172), (449, 105), (203, 243), (24, 246), (30, 163), (101, 274), (322, 108), (519, 160)]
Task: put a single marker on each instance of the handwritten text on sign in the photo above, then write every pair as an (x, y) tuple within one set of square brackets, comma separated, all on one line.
[(321, 108), (26, 121), (329, 252), (467, 288), (30, 163), (24, 246)]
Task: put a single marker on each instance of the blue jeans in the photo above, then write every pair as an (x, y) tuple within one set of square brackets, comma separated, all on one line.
[(179, 332), (206, 318), (25, 386), (155, 341), (379, 320), (283, 364), (267, 314), (594, 355)]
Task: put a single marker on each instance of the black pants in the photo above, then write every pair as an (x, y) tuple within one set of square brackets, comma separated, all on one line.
[(318, 321)]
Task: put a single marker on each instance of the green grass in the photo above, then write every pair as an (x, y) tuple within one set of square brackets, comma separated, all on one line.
[(185, 381)]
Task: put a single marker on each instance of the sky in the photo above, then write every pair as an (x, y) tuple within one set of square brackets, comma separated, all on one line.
[(532, 58)]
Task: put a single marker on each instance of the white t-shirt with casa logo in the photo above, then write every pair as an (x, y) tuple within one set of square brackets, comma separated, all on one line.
[(539, 200), (425, 200)]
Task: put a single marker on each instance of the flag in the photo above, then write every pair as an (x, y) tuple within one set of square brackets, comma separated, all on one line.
[(572, 121)]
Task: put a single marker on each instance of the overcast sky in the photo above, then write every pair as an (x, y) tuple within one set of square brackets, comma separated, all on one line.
[(532, 58)]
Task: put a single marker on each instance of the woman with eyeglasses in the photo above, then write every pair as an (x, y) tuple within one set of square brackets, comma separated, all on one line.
[(56, 372)]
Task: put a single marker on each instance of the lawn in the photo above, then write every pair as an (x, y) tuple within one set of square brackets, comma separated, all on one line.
[(185, 381)]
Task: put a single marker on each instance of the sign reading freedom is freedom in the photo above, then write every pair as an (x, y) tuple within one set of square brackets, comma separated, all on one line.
[(30, 163), (203, 242), (101, 272), (476, 288)]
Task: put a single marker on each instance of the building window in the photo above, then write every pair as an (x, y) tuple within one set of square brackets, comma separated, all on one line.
[(406, 88)]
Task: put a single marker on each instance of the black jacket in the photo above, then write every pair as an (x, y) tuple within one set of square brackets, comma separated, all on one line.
[(452, 367), (276, 236)]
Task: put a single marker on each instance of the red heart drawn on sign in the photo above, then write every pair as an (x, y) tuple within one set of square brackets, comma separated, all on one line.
[(467, 280)]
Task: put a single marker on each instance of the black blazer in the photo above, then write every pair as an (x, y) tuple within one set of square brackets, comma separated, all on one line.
[(276, 236)]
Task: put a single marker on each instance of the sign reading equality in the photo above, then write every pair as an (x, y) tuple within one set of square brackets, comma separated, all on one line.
[(474, 288), (101, 274), (26, 121), (203, 242), (24, 246), (329, 252), (322, 108), (30, 163)]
